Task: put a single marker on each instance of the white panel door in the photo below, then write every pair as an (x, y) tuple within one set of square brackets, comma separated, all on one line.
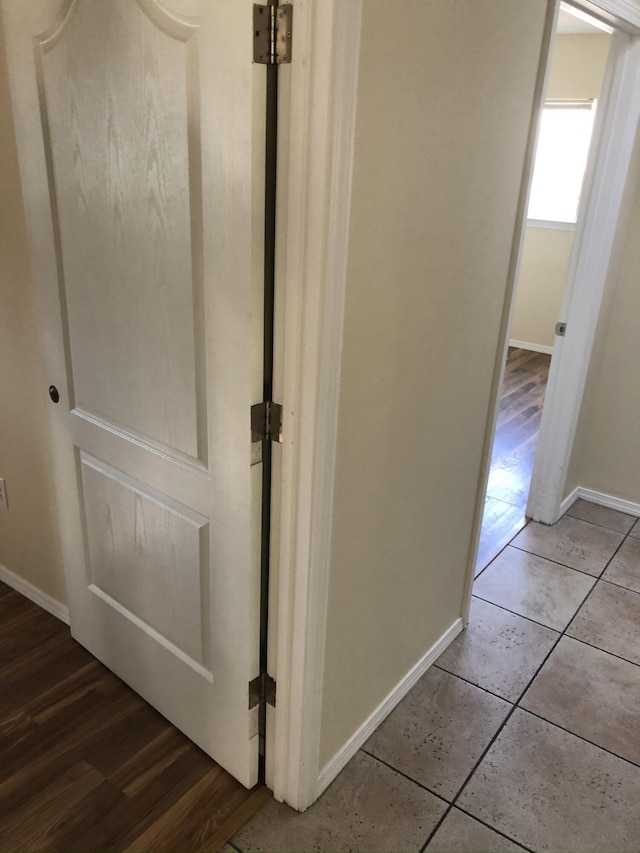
[(140, 132)]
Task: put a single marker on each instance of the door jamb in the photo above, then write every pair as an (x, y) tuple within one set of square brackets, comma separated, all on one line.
[(615, 135), (317, 100)]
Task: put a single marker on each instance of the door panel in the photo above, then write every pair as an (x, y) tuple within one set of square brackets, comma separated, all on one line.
[(140, 131), (124, 163), (130, 525)]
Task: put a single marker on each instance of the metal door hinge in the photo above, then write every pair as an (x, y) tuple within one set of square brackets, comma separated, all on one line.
[(272, 34), (561, 328), (266, 422), (262, 689)]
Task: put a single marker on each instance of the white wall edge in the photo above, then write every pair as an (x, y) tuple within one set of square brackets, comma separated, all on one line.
[(602, 499), (350, 748), (530, 346), (34, 594), (317, 124)]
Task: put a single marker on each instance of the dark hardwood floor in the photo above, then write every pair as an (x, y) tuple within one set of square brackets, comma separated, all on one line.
[(86, 765), (514, 449)]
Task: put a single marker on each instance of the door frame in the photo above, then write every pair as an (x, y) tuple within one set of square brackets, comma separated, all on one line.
[(614, 138), (317, 108), (317, 102)]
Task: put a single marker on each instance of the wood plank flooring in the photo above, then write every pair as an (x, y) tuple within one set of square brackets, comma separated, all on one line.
[(87, 765), (514, 450)]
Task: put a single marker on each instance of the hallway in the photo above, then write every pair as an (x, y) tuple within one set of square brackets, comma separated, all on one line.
[(526, 733)]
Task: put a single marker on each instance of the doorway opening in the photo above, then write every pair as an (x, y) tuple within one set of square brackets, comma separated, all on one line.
[(580, 50)]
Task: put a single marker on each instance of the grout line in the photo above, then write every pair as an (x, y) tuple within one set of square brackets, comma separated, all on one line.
[(528, 618), (596, 578), (599, 649), (619, 585), (493, 829), (504, 547), (599, 580), (625, 536), (564, 565), (473, 770), (551, 650), (580, 737), (517, 706), (234, 846), (405, 775), (615, 554), (473, 684), (501, 727), (595, 523), (578, 611), (564, 630), (436, 828)]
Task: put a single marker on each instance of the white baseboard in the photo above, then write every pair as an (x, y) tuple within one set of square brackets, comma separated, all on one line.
[(346, 753), (51, 605), (602, 499), (533, 347)]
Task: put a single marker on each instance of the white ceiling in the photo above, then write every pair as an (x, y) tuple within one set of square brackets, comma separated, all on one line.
[(571, 22)]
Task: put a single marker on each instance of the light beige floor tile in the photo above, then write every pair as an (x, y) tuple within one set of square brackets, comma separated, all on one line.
[(460, 833), (635, 530), (438, 731), (227, 849), (602, 516), (550, 790), (610, 620), (368, 809), (498, 651), (572, 542), (533, 587), (624, 569), (591, 693)]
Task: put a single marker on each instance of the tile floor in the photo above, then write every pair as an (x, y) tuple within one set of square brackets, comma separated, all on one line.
[(525, 735)]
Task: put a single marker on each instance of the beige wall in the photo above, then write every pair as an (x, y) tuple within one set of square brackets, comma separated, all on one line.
[(445, 98), (606, 452), (577, 70), (577, 66), (29, 544), (543, 272)]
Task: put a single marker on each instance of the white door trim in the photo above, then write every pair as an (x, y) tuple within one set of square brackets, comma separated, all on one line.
[(316, 131), (614, 139), (623, 14)]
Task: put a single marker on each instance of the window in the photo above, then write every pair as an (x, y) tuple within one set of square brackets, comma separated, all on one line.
[(561, 159)]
